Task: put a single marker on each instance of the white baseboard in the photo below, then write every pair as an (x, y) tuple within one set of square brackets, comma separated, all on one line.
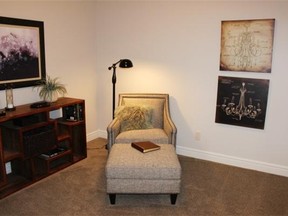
[(233, 161), (218, 158), (96, 134)]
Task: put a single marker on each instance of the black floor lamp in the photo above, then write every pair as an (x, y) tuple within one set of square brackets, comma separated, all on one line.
[(123, 63)]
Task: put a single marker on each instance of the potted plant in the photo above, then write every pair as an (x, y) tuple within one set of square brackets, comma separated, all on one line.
[(50, 89)]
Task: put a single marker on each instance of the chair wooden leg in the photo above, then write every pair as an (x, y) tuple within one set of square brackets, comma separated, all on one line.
[(112, 198), (173, 198)]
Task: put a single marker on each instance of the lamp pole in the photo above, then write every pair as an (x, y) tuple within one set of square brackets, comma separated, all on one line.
[(114, 80), (124, 63)]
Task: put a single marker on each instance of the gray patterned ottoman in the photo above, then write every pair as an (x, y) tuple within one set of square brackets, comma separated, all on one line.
[(129, 171)]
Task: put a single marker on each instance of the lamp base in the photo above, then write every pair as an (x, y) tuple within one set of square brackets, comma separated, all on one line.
[(10, 109)]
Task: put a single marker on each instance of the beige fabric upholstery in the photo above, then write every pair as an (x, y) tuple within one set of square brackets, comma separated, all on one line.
[(130, 171), (163, 131), (125, 162), (157, 135)]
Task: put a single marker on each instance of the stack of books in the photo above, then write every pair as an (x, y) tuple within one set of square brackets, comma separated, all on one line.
[(52, 153)]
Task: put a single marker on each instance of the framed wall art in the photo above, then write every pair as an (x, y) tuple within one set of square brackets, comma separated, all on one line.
[(242, 101), (22, 52), (247, 45)]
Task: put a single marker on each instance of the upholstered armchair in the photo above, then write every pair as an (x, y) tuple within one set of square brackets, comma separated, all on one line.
[(142, 117)]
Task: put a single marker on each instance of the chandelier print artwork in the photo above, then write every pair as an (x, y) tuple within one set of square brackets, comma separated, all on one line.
[(242, 101), (247, 45)]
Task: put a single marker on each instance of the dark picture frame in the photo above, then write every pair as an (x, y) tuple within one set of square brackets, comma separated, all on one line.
[(242, 101), (22, 53)]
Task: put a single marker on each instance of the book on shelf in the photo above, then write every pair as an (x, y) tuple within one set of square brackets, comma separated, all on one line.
[(52, 153), (73, 113), (145, 146)]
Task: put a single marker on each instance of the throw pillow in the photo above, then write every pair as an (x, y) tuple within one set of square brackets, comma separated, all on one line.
[(134, 117)]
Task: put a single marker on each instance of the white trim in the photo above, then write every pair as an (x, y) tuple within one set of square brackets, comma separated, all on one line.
[(234, 161), (96, 134)]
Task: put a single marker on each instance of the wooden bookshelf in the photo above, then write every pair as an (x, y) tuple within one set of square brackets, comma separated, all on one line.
[(26, 133)]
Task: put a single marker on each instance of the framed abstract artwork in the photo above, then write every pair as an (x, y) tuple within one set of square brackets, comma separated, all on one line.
[(22, 52), (247, 45), (242, 101)]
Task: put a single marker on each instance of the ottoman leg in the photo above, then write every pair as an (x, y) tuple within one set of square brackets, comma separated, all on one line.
[(112, 198), (173, 198)]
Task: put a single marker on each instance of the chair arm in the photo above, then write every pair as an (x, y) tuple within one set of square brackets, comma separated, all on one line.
[(170, 129), (113, 130)]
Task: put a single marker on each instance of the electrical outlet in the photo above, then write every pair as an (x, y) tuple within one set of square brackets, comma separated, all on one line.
[(197, 135), (8, 167)]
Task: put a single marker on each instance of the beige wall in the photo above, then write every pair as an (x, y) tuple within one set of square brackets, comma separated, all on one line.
[(175, 48)]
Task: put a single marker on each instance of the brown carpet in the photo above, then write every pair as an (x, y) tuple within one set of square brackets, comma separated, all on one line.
[(207, 189)]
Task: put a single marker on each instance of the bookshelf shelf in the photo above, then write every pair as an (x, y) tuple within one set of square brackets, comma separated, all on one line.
[(10, 155)]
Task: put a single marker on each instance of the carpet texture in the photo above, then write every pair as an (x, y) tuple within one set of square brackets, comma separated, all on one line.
[(207, 189)]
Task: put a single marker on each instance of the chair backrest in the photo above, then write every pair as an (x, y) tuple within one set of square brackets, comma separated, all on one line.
[(158, 102)]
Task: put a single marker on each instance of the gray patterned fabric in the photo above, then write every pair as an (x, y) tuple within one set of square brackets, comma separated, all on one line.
[(131, 171), (163, 131), (155, 135), (143, 186)]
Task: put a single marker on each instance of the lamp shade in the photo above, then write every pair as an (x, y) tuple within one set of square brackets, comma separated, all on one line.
[(125, 63)]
